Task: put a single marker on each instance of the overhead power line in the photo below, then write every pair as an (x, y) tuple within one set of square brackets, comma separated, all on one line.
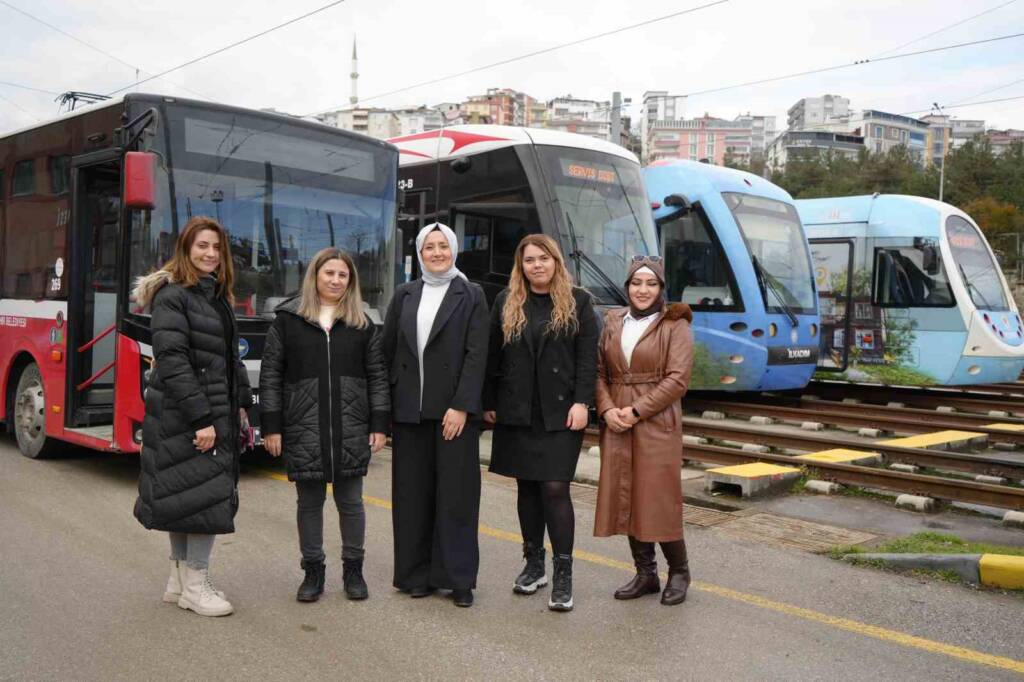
[(228, 47), (945, 28), (20, 108), (92, 47), (536, 53), (26, 87)]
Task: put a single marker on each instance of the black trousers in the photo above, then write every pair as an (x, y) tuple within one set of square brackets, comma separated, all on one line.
[(435, 497)]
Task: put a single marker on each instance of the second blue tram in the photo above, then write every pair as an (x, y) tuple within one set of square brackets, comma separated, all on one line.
[(736, 252)]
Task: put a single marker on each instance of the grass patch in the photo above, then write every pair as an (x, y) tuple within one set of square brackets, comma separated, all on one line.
[(941, 543)]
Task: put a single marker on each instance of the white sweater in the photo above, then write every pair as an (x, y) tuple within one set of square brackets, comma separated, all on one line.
[(430, 302)]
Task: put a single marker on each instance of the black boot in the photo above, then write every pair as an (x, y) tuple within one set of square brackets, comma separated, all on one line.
[(352, 576), (313, 584), (561, 589), (678, 572), (646, 579), (533, 575)]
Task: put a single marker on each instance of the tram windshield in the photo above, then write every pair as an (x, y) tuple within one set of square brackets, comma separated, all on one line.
[(602, 214), (977, 268), (282, 192), (775, 239)]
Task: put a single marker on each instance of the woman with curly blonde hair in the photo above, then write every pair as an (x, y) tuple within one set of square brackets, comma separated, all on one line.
[(541, 369)]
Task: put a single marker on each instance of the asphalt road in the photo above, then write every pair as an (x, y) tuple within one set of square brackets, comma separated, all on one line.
[(81, 581)]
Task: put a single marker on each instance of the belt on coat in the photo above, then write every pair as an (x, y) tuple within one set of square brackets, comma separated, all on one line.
[(638, 378)]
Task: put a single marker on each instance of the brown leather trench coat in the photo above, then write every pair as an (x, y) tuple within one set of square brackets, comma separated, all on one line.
[(640, 492)]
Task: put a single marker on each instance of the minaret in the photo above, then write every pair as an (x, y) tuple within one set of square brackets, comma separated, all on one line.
[(354, 98)]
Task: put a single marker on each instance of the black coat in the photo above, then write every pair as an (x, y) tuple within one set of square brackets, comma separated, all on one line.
[(455, 357), (325, 393), (565, 366), (180, 488)]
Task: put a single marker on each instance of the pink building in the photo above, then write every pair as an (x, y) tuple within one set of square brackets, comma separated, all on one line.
[(710, 138)]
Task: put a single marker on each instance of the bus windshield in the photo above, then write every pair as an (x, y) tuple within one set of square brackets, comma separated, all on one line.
[(975, 264), (775, 239), (282, 191), (603, 216)]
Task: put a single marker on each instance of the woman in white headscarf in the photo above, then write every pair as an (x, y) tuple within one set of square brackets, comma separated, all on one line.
[(435, 341)]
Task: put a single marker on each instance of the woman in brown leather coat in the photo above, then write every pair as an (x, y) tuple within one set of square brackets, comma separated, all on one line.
[(644, 361)]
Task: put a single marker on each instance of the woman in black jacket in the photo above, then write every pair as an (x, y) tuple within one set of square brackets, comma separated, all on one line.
[(195, 408), (435, 342), (541, 370), (324, 404)]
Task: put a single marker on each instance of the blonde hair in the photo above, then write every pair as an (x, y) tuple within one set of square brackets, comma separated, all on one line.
[(185, 273), (349, 308), (563, 316)]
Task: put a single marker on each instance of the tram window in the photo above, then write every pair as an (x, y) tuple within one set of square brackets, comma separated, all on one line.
[(60, 174), (977, 269), (901, 280), (697, 270), (23, 181)]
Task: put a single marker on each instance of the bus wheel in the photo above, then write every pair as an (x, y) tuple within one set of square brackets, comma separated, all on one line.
[(30, 415)]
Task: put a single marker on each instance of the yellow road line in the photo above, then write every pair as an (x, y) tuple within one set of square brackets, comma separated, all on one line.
[(884, 634)]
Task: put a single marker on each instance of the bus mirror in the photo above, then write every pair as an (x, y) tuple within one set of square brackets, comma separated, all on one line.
[(930, 260), (677, 200), (462, 165), (140, 180)]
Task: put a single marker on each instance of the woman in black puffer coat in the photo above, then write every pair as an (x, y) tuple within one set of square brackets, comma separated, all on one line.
[(325, 404), (195, 407)]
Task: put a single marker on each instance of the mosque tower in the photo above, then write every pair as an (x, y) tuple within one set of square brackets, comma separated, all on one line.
[(354, 97)]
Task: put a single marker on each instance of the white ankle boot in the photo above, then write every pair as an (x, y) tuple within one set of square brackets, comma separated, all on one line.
[(172, 593), (199, 595)]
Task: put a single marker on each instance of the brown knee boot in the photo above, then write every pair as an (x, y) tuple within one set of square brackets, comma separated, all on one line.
[(678, 572), (646, 579)]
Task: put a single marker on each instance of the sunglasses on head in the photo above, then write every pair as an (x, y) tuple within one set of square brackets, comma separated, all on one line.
[(641, 258)]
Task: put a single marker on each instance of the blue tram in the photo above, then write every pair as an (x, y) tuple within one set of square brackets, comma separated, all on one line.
[(910, 294), (736, 252)]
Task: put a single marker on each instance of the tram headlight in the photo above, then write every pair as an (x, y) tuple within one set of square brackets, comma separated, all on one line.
[(772, 329), (814, 330)]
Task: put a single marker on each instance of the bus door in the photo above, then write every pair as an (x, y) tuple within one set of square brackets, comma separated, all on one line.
[(411, 218), (834, 274), (92, 300), (488, 236)]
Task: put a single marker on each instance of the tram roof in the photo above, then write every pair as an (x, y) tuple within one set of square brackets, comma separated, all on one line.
[(470, 139), (701, 181), (897, 212)]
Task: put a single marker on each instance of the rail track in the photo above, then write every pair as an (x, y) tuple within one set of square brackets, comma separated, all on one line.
[(896, 420), (978, 400)]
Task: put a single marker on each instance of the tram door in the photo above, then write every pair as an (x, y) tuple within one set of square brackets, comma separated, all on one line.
[(92, 301), (834, 273)]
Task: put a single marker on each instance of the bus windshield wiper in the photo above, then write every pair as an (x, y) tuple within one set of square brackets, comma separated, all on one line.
[(580, 257), (767, 284), (971, 287)]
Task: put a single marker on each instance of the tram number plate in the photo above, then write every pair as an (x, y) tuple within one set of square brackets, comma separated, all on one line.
[(792, 355)]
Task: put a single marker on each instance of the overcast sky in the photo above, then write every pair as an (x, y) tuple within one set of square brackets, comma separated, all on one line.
[(304, 68)]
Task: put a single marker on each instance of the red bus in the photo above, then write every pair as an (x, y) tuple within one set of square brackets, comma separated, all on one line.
[(93, 199)]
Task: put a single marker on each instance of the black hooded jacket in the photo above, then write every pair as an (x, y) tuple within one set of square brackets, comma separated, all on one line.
[(324, 393), (197, 380)]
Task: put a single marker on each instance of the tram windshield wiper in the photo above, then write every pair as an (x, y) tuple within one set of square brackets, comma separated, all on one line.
[(971, 287), (580, 258), (768, 285)]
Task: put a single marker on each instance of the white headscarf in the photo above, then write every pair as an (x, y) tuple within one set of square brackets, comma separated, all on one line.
[(437, 279)]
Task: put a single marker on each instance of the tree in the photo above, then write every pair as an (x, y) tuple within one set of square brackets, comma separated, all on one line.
[(995, 217)]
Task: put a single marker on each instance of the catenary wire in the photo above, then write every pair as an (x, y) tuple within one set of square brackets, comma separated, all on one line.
[(228, 47), (535, 53), (945, 28), (27, 87)]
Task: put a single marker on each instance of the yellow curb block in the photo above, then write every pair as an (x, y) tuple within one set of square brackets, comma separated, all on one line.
[(1002, 570)]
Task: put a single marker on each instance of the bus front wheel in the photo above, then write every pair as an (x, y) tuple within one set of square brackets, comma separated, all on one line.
[(30, 415)]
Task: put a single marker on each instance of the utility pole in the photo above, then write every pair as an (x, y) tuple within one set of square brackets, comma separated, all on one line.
[(616, 129), (942, 165)]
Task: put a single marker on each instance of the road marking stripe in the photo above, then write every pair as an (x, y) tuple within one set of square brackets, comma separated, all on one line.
[(884, 634)]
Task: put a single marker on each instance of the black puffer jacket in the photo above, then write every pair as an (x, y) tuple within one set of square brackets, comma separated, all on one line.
[(324, 393), (197, 380)]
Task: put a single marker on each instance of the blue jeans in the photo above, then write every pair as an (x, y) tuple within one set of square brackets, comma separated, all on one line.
[(192, 548)]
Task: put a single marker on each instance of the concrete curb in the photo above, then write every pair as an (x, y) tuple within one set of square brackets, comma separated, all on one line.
[(993, 570)]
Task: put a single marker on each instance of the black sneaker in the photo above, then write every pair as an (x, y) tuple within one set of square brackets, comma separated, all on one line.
[(561, 589), (533, 576), (313, 584), (352, 576)]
